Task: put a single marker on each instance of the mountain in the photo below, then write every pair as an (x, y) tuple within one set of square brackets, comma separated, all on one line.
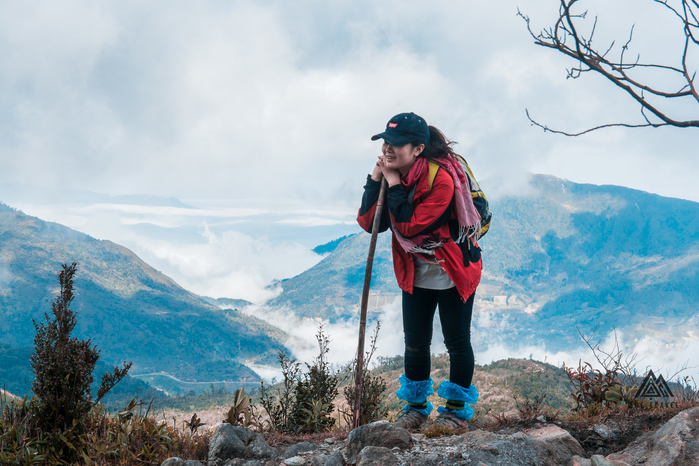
[(561, 256), (595, 257), (332, 288), (330, 246), (129, 310)]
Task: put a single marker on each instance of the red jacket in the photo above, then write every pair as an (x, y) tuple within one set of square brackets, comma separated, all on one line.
[(420, 211)]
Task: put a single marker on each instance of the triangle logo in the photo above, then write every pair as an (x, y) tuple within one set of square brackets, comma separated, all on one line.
[(653, 387)]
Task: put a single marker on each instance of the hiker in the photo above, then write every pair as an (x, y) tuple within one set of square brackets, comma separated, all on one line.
[(436, 261)]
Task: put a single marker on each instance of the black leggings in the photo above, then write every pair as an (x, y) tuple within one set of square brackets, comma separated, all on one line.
[(455, 316)]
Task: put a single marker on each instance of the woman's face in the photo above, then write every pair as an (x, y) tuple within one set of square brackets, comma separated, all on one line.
[(401, 158)]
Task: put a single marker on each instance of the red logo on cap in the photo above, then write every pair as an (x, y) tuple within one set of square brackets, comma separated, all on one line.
[(392, 125)]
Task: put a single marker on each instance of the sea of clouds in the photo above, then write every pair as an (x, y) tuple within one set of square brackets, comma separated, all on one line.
[(489, 343)]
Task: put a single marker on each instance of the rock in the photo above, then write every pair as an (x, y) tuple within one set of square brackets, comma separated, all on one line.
[(174, 462), (546, 446), (180, 462), (376, 456), (599, 460), (514, 449), (336, 459), (377, 434), (580, 461), (431, 459), (238, 442), (258, 448), (295, 461), (557, 442), (675, 443), (225, 444), (243, 462), (295, 450), (603, 431), (475, 437)]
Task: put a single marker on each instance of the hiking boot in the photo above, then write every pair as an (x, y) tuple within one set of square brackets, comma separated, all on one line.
[(410, 419), (453, 423)]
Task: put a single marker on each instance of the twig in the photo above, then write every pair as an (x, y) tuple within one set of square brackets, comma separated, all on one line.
[(625, 125), (620, 73)]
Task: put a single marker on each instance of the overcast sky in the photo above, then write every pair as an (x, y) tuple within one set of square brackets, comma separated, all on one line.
[(277, 100)]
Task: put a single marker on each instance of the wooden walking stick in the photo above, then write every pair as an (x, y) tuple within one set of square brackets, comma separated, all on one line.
[(358, 375)]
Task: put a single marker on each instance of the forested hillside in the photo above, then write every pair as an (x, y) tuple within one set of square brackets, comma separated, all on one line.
[(128, 309)]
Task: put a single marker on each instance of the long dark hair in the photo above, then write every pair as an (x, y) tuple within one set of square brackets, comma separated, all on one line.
[(438, 146)]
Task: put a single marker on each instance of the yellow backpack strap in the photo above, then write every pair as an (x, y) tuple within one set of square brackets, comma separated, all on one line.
[(432, 174)]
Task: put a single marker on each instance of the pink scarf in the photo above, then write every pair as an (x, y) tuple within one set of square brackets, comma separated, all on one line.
[(466, 213)]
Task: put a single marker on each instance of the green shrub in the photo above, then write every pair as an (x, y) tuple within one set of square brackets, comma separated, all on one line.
[(372, 404), (63, 365), (279, 403), (303, 401), (316, 391)]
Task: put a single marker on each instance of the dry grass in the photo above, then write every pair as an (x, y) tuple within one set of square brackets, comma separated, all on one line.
[(131, 438), (210, 417), (139, 440)]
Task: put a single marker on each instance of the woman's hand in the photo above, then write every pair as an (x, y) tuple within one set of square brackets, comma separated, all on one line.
[(377, 174), (392, 175)]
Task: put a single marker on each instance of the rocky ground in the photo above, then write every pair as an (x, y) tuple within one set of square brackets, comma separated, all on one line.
[(380, 443)]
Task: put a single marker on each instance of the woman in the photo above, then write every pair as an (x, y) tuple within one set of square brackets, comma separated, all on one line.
[(435, 257)]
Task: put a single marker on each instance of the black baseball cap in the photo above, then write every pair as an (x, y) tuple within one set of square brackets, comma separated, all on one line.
[(405, 128)]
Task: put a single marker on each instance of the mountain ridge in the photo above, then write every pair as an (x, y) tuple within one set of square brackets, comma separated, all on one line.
[(564, 255), (126, 307)]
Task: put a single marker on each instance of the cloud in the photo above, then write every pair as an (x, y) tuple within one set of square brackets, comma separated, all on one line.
[(278, 100), (489, 346), (390, 341), (232, 264), (343, 347), (664, 357)]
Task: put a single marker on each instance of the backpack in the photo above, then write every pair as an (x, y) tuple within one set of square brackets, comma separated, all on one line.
[(477, 194)]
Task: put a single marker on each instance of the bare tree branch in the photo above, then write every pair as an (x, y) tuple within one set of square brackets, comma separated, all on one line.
[(625, 125), (565, 37)]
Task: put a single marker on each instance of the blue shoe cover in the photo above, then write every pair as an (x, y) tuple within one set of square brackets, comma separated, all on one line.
[(451, 391), (465, 414), (415, 392)]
